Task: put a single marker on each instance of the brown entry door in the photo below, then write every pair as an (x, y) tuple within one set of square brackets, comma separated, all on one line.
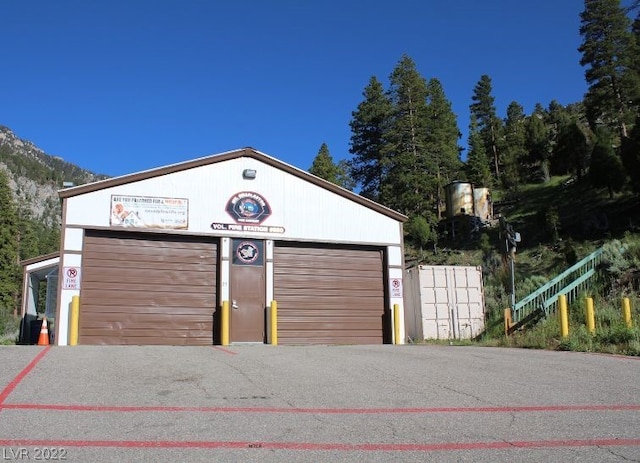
[(247, 320)]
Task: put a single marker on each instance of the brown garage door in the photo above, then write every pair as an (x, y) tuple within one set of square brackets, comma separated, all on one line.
[(328, 295), (147, 289)]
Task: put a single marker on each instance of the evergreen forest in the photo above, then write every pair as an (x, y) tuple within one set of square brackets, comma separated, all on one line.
[(566, 177)]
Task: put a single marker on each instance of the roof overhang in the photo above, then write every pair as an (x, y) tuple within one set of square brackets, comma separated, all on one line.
[(41, 266)]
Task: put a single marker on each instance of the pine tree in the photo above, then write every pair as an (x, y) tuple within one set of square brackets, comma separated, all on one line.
[(635, 57), (630, 154), (27, 238), (369, 167), (324, 167), (9, 270), (609, 51), (489, 124), (477, 166), (411, 177), (571, 153), (561, 123), (50, 240), (442, 140), (514, 151), (606, 169), (420, 232), (556, 118), (538, 143)]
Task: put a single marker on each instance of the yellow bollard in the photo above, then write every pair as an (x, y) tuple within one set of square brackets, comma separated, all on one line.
[(274, 323), (396, 324), (224, 324), (73, 323), (626, 311), (590, 315), (508, 322), (564, 318)]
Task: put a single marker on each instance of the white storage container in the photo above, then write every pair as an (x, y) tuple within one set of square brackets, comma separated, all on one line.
[(444, 302)]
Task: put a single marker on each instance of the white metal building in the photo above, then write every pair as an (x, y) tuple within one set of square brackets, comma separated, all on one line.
[(153, 254)]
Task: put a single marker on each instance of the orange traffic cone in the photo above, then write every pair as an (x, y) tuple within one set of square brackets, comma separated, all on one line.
[(43, 339)]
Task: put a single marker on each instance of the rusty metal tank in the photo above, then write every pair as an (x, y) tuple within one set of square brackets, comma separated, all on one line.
[(482, 205), (460, 201)]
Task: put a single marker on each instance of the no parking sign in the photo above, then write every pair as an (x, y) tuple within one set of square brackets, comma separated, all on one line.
[(71, 277), (395, 287)]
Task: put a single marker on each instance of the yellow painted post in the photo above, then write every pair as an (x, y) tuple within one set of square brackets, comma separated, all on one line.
[(507, 321), (590, 315), (626, 311), (396, 323), (564, 318), (224, 324), (274, 323), (73, 323)]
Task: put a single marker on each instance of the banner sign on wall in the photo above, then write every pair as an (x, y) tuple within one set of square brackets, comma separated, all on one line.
[(149, 212)]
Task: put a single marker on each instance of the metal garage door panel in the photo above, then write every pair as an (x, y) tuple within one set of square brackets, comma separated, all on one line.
[(146, 289), (329, 295)]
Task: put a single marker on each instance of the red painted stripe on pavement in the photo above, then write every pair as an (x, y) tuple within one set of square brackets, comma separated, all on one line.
[(226, 351), (379, 447), (324, 411), (15, 381), (616, 356)]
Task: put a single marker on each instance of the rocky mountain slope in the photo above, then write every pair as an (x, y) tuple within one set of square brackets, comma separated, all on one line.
[(35, 177)]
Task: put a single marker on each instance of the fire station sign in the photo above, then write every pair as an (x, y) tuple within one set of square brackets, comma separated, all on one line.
[(248, 209)]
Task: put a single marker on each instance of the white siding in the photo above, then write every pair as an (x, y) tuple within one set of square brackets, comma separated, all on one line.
[(395, 256), (66, 295), (73, 239), (397, 274), (306, 211)]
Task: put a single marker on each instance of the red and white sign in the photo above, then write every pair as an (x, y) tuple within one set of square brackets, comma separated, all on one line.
[(395, 287), (71, 277)]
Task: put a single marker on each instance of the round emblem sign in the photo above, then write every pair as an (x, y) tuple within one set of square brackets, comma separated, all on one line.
[(247, 252), (248, 207)]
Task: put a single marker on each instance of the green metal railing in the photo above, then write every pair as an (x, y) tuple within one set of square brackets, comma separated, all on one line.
[(571, 283)]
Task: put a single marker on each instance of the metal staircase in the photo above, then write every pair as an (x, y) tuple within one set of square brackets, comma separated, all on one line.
[(544, 300)]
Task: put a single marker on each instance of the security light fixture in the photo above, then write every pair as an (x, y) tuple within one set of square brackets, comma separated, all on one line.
[(249, 174)]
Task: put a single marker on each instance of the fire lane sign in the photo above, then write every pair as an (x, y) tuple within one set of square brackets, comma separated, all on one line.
[(71, 277), (395, 287)]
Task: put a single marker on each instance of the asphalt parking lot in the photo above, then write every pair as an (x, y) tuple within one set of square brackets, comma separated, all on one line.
[(317, 403)]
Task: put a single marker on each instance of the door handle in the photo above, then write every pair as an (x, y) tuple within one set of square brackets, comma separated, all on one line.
[(234, 304)]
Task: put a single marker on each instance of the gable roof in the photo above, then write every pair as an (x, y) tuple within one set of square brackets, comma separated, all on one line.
[(215, 158)]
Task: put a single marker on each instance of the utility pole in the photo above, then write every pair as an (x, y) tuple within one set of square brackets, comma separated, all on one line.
[(511, 238), (513, 282)]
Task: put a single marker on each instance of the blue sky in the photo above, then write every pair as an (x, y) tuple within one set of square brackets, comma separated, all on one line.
[(121, 86)]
